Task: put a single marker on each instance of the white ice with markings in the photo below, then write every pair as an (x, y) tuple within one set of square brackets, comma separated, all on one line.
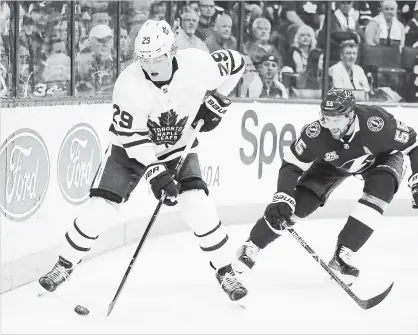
[(172, 289)]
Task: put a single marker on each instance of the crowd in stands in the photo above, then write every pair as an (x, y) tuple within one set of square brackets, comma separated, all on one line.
[(373, 45)]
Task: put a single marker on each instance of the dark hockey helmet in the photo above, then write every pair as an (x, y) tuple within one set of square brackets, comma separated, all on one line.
[(338, 102)]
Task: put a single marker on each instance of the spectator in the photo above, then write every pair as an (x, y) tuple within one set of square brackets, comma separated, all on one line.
[(269, 74), (251, 12), (304, 42), (345, 17), (25, 73), (221, 37), (251, 84), (260, 46), (25, 36), (411, 37), (207, 19), (100, 16), (97, 74), (157, 10), (346, 73), (185, 35), (385, 28), (56, 75), (126, 56), (311, 78)]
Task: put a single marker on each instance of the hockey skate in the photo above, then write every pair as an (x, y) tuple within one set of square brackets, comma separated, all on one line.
[(246, 256), (341, 263), (230, 283), (59, 274)]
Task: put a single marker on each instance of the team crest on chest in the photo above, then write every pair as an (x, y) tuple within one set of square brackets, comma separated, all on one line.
[(313, 130), (375, 123), (169, 130)]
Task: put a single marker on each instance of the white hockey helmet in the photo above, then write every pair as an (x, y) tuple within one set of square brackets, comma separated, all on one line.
[(155, 38)]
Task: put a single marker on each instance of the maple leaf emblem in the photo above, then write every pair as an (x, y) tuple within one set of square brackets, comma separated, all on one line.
[(169, 131)]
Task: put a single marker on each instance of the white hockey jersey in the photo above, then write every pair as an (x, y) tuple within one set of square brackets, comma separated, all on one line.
[(154, 123)]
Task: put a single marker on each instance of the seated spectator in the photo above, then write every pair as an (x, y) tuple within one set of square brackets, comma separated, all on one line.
[(411, 30), (251, 12), (25, 36), (126, 56), (304, 42), (157, 10), (311, 78), (221, 37), (57, 74), (385, 28), (260, 46), (185, 35), (207, 19), (346, 73), (251, 84), (97, 72), (100, 16), (25, 83), (269, 73)]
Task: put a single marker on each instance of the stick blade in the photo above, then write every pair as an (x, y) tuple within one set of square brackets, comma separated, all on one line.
[(109, 310), (372, 302)]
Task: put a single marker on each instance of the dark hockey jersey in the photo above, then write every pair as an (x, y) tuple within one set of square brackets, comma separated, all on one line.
[(376, 132)]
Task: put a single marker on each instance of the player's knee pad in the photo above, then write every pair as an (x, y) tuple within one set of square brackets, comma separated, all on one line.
[(194, 183), (107, 195), (307, 202), (379, 189)]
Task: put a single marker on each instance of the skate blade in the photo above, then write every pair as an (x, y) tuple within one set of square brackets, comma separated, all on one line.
[(242, 303)]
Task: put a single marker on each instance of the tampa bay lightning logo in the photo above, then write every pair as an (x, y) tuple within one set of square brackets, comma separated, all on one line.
[(358, 164)]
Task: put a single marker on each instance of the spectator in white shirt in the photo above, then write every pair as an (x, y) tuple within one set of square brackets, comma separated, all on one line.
[(185, 36), (346, 73)]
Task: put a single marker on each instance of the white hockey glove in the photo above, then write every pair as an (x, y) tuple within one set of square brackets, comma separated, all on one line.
[(161, 181), (280, 210), (211, 111), (413, 184)]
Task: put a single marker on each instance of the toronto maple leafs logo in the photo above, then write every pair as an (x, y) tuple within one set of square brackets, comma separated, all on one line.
[(169, 131)]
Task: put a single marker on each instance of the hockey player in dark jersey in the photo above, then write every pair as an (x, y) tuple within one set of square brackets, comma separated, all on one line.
[(348, 139)]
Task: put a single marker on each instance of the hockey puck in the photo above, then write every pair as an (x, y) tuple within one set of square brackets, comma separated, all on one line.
[(80, 310)]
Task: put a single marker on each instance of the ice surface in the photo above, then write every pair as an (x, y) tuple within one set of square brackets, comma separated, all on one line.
[(172, 289)]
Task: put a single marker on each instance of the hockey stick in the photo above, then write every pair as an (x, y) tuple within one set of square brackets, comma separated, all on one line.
[(154, 217), (365, 304)]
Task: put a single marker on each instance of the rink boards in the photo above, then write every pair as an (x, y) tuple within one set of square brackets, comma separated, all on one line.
[(49, 156)]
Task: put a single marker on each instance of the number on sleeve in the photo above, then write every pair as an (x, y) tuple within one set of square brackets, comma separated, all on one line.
[(402, 132), (224, 63), (300, 146), (126, 119)]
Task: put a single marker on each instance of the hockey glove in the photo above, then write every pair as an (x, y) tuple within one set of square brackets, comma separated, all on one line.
[(211, 111), (413, 184), (280, 210), (161, 181)]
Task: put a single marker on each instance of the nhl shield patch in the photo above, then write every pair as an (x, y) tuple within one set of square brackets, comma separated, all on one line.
[(313, 130), (375, 123)]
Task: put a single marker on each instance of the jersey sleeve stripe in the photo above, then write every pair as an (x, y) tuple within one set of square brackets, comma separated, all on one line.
[(124, 133), (233, 69), (290, 157), (136, 143)]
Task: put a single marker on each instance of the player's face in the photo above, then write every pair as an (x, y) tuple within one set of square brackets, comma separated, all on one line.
[(337, 125), (159, 68)]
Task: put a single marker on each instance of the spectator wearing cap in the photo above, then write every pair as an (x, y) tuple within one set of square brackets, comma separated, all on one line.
[(411, 36), (385, 28), (269, 73), (25, 36), (260, 46), (221, 37), (185, 35), (207, 19), (346, 73), (157, 10), (101, 71), (304, 42)]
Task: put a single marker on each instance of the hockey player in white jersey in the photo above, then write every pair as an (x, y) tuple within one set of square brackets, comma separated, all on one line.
[(157, 101)]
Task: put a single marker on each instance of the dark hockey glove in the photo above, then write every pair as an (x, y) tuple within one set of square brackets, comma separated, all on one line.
[(280, 210), (413, 184), (161, 181), (211, 111)]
